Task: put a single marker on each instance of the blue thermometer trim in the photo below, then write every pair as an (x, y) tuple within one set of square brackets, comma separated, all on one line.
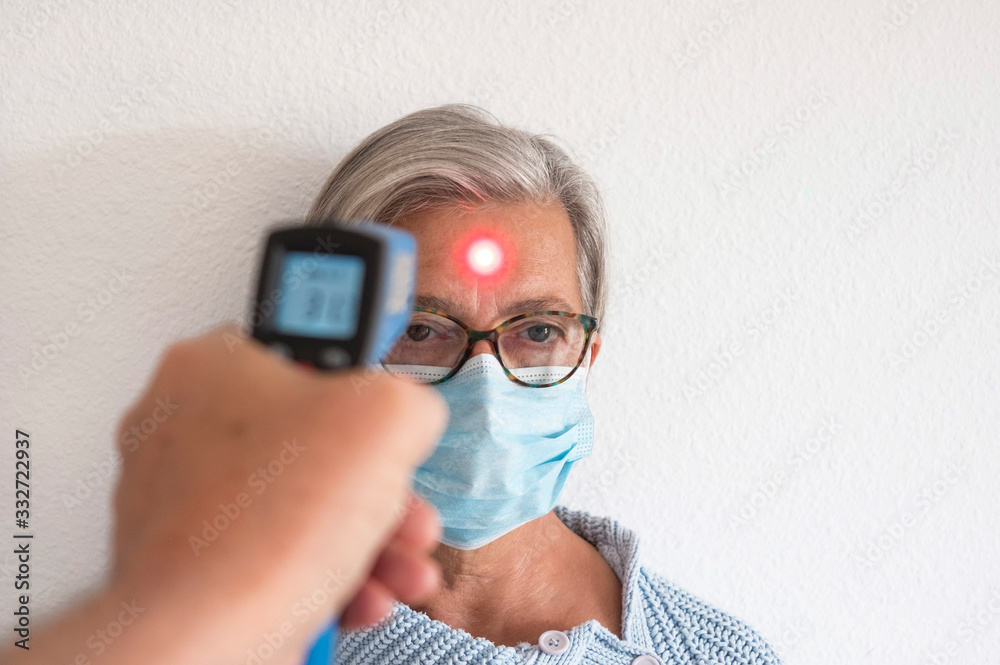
[(324, 649), (394, 309)]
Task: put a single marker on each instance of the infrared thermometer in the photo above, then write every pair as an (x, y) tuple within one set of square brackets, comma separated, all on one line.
[(333, 297)]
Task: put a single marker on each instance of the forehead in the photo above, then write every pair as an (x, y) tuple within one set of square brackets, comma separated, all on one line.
[(538, 269)]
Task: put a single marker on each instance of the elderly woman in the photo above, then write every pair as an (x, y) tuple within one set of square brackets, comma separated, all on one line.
[(511, 289)]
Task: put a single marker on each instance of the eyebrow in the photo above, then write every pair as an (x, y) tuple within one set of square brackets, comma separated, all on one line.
[(545, 303)]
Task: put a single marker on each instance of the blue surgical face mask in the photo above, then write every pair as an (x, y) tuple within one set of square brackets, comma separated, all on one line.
[(507, 451)]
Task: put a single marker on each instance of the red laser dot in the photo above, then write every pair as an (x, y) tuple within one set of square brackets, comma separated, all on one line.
[(484, 257)]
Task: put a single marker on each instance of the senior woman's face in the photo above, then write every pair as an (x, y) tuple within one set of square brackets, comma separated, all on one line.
[(539, 271)]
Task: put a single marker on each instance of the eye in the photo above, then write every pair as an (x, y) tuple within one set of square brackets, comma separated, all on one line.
[(539, 333), (418, 333)]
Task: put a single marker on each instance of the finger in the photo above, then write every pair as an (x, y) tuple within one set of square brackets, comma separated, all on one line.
[(123, 426), (421, 525), (408, 575), (371, 603), (419, 415)]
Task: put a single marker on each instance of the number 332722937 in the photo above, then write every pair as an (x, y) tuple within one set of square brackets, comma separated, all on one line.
[(21, 487)]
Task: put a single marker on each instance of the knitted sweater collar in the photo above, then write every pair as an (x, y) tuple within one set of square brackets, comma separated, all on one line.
[(619, 547)]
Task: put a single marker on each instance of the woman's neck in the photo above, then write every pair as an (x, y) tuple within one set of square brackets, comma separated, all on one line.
[(540, 576)]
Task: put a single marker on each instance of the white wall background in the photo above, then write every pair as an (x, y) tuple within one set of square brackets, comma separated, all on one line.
[(809, 186)]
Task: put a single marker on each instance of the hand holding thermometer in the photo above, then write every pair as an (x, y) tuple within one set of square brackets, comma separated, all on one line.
[(334, 297)]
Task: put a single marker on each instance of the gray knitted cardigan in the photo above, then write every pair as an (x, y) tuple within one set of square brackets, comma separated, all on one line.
[(658, 619)]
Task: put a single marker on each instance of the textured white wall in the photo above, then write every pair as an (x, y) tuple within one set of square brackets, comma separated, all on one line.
[(797, 399)]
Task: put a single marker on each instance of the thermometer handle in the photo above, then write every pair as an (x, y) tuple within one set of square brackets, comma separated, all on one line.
[(384, 287), (324, 649)]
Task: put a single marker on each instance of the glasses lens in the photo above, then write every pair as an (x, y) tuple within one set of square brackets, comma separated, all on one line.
[(543, 348), (429, 349)]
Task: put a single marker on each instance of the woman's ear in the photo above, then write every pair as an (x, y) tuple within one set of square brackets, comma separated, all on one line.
[(595, 348)]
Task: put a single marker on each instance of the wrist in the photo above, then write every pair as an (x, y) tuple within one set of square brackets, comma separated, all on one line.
[(107, 627), (155, 624), (131, 625), (192, 621)]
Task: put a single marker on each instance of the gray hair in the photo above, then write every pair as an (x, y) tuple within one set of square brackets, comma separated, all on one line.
[(460, 155)]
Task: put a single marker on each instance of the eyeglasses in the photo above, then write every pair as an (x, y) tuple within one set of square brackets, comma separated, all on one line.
[(538, 349)]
